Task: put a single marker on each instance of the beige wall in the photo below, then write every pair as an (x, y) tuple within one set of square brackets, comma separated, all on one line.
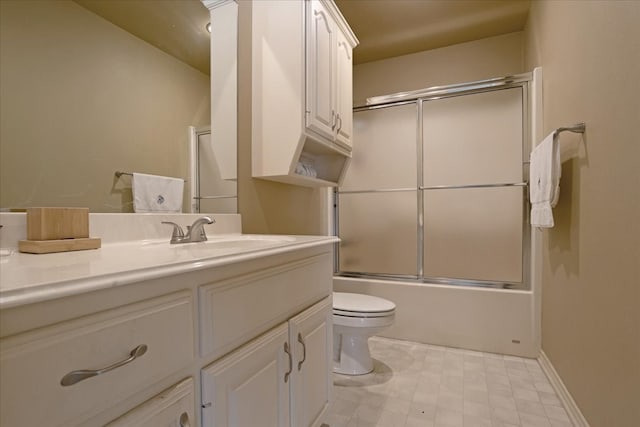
[(464, 62), (80, 99), (268, 207), (590, 54)]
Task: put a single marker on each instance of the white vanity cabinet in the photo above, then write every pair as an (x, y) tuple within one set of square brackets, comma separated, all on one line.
[(283, 376), (189, 343), (301, 91)]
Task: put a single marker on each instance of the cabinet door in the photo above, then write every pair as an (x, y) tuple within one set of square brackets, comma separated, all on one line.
[(310, 335), (344, 90), (248, 388), (320, 114)]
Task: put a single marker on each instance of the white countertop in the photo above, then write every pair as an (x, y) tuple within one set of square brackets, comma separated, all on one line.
[(29, 278)]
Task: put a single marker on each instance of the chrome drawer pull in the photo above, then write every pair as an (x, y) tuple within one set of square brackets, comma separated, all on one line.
[(76, 376), (286, 350), (304, 351)]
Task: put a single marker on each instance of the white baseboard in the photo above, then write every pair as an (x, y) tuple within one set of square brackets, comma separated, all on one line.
[(574, 413)]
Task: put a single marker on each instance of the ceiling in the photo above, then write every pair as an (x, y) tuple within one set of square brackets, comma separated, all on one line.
[(385, 28), (388, 28), (177, 27)]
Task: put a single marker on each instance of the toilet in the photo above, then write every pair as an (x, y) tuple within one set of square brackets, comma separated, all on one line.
[(356, 317)]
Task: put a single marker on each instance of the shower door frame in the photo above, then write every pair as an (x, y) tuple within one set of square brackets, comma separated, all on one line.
[(194, 170), (418, 97)]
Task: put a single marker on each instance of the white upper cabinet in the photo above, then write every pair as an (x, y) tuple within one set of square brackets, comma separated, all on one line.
[(344, 90), (321, 40), (329, 77), (301, 92)]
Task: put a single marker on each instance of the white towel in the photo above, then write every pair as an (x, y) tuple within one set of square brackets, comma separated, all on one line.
[(306, 169), (153, 193), (544, 181)]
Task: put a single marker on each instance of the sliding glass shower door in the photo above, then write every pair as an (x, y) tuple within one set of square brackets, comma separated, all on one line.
[(378, 209), (436, 191)]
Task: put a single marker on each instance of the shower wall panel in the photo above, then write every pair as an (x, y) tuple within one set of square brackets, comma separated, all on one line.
[(384, 149), (473, 139), (378, 232), (474, 234)]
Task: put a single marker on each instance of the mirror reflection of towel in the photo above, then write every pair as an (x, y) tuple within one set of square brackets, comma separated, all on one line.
[(153, 193)]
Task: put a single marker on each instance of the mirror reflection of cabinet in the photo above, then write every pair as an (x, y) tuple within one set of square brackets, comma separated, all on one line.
[(301, 92), (224, 83)]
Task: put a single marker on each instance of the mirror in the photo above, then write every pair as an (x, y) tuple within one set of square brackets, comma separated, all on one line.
[(82, 97)]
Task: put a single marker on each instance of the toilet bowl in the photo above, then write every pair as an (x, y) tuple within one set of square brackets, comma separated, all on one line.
[(356, 317)]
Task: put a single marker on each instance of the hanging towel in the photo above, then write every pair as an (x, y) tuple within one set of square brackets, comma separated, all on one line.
[(153, 193), (544, 181)]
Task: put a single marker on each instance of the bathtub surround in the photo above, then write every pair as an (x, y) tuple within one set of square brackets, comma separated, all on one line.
[(590, 273)]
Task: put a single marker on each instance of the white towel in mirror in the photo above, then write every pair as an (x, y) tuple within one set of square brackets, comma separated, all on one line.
[(153, 193)]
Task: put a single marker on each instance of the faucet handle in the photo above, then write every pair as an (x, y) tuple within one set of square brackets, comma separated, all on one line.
[(177, 230)]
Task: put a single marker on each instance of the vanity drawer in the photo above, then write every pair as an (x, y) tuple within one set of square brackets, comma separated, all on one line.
[(173, 407), (33, 364), (236, 310)]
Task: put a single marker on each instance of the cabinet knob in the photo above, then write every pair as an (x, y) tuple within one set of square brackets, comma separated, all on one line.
[(184, 420)]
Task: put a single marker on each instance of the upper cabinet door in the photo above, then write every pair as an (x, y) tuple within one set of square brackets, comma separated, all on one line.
[(320, 114), (344, 90)]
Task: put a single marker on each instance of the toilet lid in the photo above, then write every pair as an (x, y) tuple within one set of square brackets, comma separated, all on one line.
[(348, 304)]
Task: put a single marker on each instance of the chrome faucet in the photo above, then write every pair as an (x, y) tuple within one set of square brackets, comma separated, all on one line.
[(195, 231)]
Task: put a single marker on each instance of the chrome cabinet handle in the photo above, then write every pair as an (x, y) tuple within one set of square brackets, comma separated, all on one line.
[(334, 121), (339, 127), (304, 351), (76, 376), (286, 350), (184, 420)]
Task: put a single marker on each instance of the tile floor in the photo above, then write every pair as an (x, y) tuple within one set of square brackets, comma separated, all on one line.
[(419, 385)]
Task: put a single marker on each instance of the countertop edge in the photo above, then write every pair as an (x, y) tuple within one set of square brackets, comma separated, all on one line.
[(22, 296)]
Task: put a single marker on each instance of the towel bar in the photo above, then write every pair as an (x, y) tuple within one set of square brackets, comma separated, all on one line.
[(118, 174), (577, 128)]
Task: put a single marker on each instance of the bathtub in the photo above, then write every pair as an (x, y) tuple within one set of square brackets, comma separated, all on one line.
[(482, 319)]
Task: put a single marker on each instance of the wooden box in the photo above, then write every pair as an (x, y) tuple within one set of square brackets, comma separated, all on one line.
[(57, 223)]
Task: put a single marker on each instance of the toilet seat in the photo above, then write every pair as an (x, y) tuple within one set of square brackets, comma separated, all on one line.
[(361, 306)]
